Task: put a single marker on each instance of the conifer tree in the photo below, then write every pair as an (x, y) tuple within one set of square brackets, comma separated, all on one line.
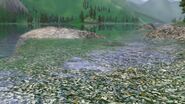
[(82, 16), (182, 4)]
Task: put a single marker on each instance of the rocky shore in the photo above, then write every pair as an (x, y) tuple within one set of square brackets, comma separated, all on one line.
[(58, 33), (168, 31)]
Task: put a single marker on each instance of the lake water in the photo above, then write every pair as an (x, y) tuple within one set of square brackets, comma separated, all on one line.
[(131, 50), (9, 34)]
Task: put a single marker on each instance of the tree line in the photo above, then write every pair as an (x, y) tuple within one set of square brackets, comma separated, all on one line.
[(89, 13), (95, 12)]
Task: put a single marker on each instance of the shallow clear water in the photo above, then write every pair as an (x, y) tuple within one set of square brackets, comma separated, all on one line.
[(116, 34), (9, 35)]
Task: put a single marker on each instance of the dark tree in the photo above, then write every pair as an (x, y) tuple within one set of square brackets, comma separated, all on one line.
[(91, 12), (82, 16), (99, 19), (94, 14), (29, 19), (85, 4), (184, 20), (182, 4), (109, 10), (43, 18)]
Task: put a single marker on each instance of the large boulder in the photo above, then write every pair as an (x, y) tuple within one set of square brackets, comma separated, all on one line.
[(168, 32), (57, 33)]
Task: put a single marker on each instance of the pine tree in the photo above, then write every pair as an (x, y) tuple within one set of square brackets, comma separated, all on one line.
[(99, 19), (109, 10), (182, 4), (82, 16), (91, 12), (94, 14), (85, 4)]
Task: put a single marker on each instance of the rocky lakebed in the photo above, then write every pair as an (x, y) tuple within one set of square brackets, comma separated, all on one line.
[(137, 55), (132, 55)]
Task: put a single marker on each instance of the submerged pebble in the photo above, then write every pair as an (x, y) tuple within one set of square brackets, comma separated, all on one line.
[(79, 64), (9, 79), (131, 55)]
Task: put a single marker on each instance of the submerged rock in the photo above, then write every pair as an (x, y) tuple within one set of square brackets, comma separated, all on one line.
[(57, 33), (132, 55), (168, 32), (77, 63)]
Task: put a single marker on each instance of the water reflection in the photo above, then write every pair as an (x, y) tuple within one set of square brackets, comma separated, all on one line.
[(108, 27)]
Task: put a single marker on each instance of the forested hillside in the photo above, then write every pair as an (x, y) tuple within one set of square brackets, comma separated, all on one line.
[(57, 11)]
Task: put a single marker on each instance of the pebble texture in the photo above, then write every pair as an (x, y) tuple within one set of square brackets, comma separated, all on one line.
[(168, 32), (9, 79), (131, 55)]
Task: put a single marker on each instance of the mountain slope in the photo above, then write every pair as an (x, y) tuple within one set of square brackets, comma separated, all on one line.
[(177, 10), (10, 11), (160, 9), (54, 7), (14, 6), (136, 11)]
